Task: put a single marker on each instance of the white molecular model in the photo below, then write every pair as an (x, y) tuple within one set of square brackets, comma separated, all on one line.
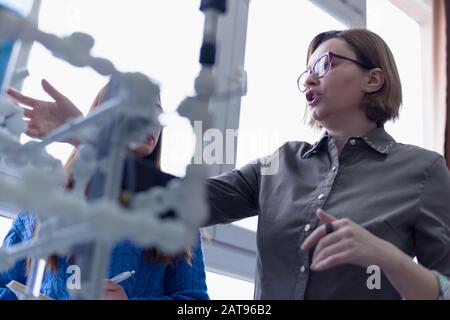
[(71, 224)]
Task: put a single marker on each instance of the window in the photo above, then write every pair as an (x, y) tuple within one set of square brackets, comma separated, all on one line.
[(227, 288), (146, 36), (5, 225), (382, 15), (272, 112), (23, 7)]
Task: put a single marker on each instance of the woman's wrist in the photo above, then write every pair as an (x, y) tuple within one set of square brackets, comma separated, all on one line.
[(389, 257), (411, 280)]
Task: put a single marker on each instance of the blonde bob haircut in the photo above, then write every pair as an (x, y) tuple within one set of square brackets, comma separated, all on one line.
[(371, 50)]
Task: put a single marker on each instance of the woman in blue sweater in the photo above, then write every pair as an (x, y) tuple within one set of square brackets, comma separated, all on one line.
[(157, 276)]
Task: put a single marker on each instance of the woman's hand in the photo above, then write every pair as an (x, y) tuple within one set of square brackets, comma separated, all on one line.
[(114, 291), (46, 116), (351, 243), (348, 243)]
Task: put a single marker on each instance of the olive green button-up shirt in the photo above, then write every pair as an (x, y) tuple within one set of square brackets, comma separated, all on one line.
[(400, 193)]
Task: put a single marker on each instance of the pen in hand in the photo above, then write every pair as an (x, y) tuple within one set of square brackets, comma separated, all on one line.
[(123, 276)]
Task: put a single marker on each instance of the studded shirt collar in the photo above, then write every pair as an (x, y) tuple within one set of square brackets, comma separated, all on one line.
[(377, 139)]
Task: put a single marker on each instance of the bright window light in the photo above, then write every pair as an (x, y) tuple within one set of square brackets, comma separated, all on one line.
[(398, 29), (272, 113), (221, 287), (23, 7), (5, 225), (159, 38)]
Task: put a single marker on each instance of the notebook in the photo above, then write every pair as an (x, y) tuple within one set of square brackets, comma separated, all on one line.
[(20, 290)]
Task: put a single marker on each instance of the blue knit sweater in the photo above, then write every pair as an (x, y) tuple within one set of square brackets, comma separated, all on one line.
[(152, 280)]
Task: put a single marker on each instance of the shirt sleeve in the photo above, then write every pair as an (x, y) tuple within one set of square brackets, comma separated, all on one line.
[(184, 281), (432, 225), (234, 196), (444, 286), (17, 272)]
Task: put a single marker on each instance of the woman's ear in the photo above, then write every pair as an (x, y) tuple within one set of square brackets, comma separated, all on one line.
[(374, 80)]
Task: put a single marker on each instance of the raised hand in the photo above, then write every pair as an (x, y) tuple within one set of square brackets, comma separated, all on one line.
[(45, 116)]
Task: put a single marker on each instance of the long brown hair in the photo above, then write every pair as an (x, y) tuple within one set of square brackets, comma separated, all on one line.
[(149, 254)]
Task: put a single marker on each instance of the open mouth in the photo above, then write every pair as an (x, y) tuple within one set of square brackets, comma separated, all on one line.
[(312, 97)]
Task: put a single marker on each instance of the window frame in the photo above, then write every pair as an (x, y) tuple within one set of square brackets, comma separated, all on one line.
[(22, 49), (350, 12), (421, 12), (19, 61)]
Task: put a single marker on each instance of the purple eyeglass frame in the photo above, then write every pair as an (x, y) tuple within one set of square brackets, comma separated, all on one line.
[(330, 55)]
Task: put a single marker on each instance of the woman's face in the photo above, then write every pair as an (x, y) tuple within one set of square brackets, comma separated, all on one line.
[(340, 91), (145, 149)]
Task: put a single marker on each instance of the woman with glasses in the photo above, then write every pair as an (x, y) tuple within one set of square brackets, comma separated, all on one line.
[(344, 218)]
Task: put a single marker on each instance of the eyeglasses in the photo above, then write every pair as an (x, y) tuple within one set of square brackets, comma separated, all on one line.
[(321, 68)]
